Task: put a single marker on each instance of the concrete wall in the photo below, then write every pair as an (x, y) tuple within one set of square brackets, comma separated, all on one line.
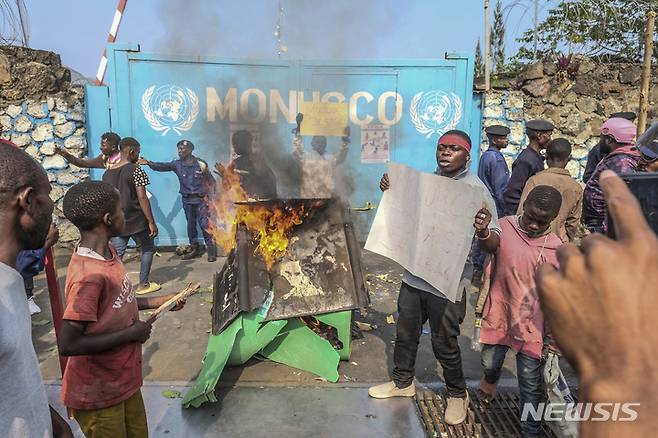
[(577, 100), (39, 109)]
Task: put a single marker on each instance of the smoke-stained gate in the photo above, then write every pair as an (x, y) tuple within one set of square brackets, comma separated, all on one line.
[(397, 110)]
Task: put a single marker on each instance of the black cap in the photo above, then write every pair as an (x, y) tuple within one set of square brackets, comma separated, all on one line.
[(539, 125), (186, 143), (497, 130), (628, 115)]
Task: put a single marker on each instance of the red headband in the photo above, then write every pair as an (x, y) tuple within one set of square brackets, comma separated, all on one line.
[(454, 139)]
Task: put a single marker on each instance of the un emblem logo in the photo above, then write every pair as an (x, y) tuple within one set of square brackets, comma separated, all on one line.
[(170, 108), (435, 112)]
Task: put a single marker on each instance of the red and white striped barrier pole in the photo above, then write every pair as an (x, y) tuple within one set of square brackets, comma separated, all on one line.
[(114, 29)]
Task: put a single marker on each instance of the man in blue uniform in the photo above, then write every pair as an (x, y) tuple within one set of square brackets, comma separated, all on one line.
[(196, 184), (529, 162), (493, 170), (494, 173)]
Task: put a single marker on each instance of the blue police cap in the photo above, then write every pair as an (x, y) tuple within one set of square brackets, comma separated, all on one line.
[(539, 125), (186, 143), (497, 130)]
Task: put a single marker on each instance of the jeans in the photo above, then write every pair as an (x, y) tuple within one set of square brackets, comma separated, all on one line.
[(147, 248), (29, 287), (528, 370), (415, 307), (477, 255), (198, 214)]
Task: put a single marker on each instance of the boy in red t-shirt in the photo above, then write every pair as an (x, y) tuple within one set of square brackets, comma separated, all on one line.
[(101, 331)]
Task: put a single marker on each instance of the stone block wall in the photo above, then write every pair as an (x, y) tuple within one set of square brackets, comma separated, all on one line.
[(505, 108), (39, 110), (577, 101)]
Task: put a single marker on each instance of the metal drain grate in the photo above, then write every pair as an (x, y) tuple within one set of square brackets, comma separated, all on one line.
[(498, 419)]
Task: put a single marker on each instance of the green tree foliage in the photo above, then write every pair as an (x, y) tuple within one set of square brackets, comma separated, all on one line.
[(611, 29), (498, 39), (479, 60)]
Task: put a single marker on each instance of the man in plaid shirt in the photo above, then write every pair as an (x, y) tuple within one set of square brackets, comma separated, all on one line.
[(617, 137)]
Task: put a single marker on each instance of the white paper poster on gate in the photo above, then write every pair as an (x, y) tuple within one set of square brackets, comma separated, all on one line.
[(425, 223), (375, 144)]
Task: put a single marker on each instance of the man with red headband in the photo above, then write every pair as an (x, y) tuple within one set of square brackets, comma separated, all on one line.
[(419, 301), (617, 138)]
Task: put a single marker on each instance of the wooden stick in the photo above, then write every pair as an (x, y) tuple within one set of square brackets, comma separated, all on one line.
[(190, 290), (56, 302), (646, 74)]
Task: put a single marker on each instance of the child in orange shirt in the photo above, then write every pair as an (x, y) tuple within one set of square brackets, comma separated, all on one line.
[(101, 331)]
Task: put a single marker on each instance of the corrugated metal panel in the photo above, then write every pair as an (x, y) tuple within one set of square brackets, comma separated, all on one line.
[(163, 99)]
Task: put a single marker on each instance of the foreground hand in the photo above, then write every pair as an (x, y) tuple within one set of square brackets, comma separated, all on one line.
[(482, 221), (601, 304), (142, 161), (384, 183), (153, 230), (141, 331), (52, 237), (179, 305)]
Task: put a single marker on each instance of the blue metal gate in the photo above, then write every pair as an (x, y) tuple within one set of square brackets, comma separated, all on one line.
[(162, 99)]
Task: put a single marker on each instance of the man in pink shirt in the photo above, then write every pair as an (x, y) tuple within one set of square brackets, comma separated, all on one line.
[(512, 317)]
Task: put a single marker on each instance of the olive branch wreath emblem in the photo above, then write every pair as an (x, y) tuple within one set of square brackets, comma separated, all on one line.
[(150, 117), (420, 125)]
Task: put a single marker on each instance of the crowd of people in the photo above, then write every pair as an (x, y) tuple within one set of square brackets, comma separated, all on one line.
[(529, 221), (101, 332), (528, 215)]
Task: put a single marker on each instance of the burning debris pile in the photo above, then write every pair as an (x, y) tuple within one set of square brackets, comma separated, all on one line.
[(287, 289), (319, 272), (269, 222)]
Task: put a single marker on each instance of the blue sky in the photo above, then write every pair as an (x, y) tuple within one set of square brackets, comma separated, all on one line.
[(317, 29)]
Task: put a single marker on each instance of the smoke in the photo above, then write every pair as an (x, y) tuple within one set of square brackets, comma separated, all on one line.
[(191, 28), (274, 148), (310, 29), (339, 29)]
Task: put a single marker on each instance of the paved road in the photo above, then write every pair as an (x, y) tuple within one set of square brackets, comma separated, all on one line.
[(252, 412), (165, 360), (264, 398)]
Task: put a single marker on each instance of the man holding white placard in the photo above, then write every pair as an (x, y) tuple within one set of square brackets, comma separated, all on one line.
[(440, 238)]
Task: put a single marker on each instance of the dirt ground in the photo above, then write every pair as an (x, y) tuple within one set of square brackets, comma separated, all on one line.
[(178, 341)]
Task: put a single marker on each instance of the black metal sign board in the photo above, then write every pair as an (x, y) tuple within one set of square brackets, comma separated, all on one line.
[(320, 272), (241, 285)]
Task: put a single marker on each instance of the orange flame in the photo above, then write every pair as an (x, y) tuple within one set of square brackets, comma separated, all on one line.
[(270, 224)]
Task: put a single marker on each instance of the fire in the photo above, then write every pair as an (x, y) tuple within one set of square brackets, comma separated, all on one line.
[(269, 224)]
